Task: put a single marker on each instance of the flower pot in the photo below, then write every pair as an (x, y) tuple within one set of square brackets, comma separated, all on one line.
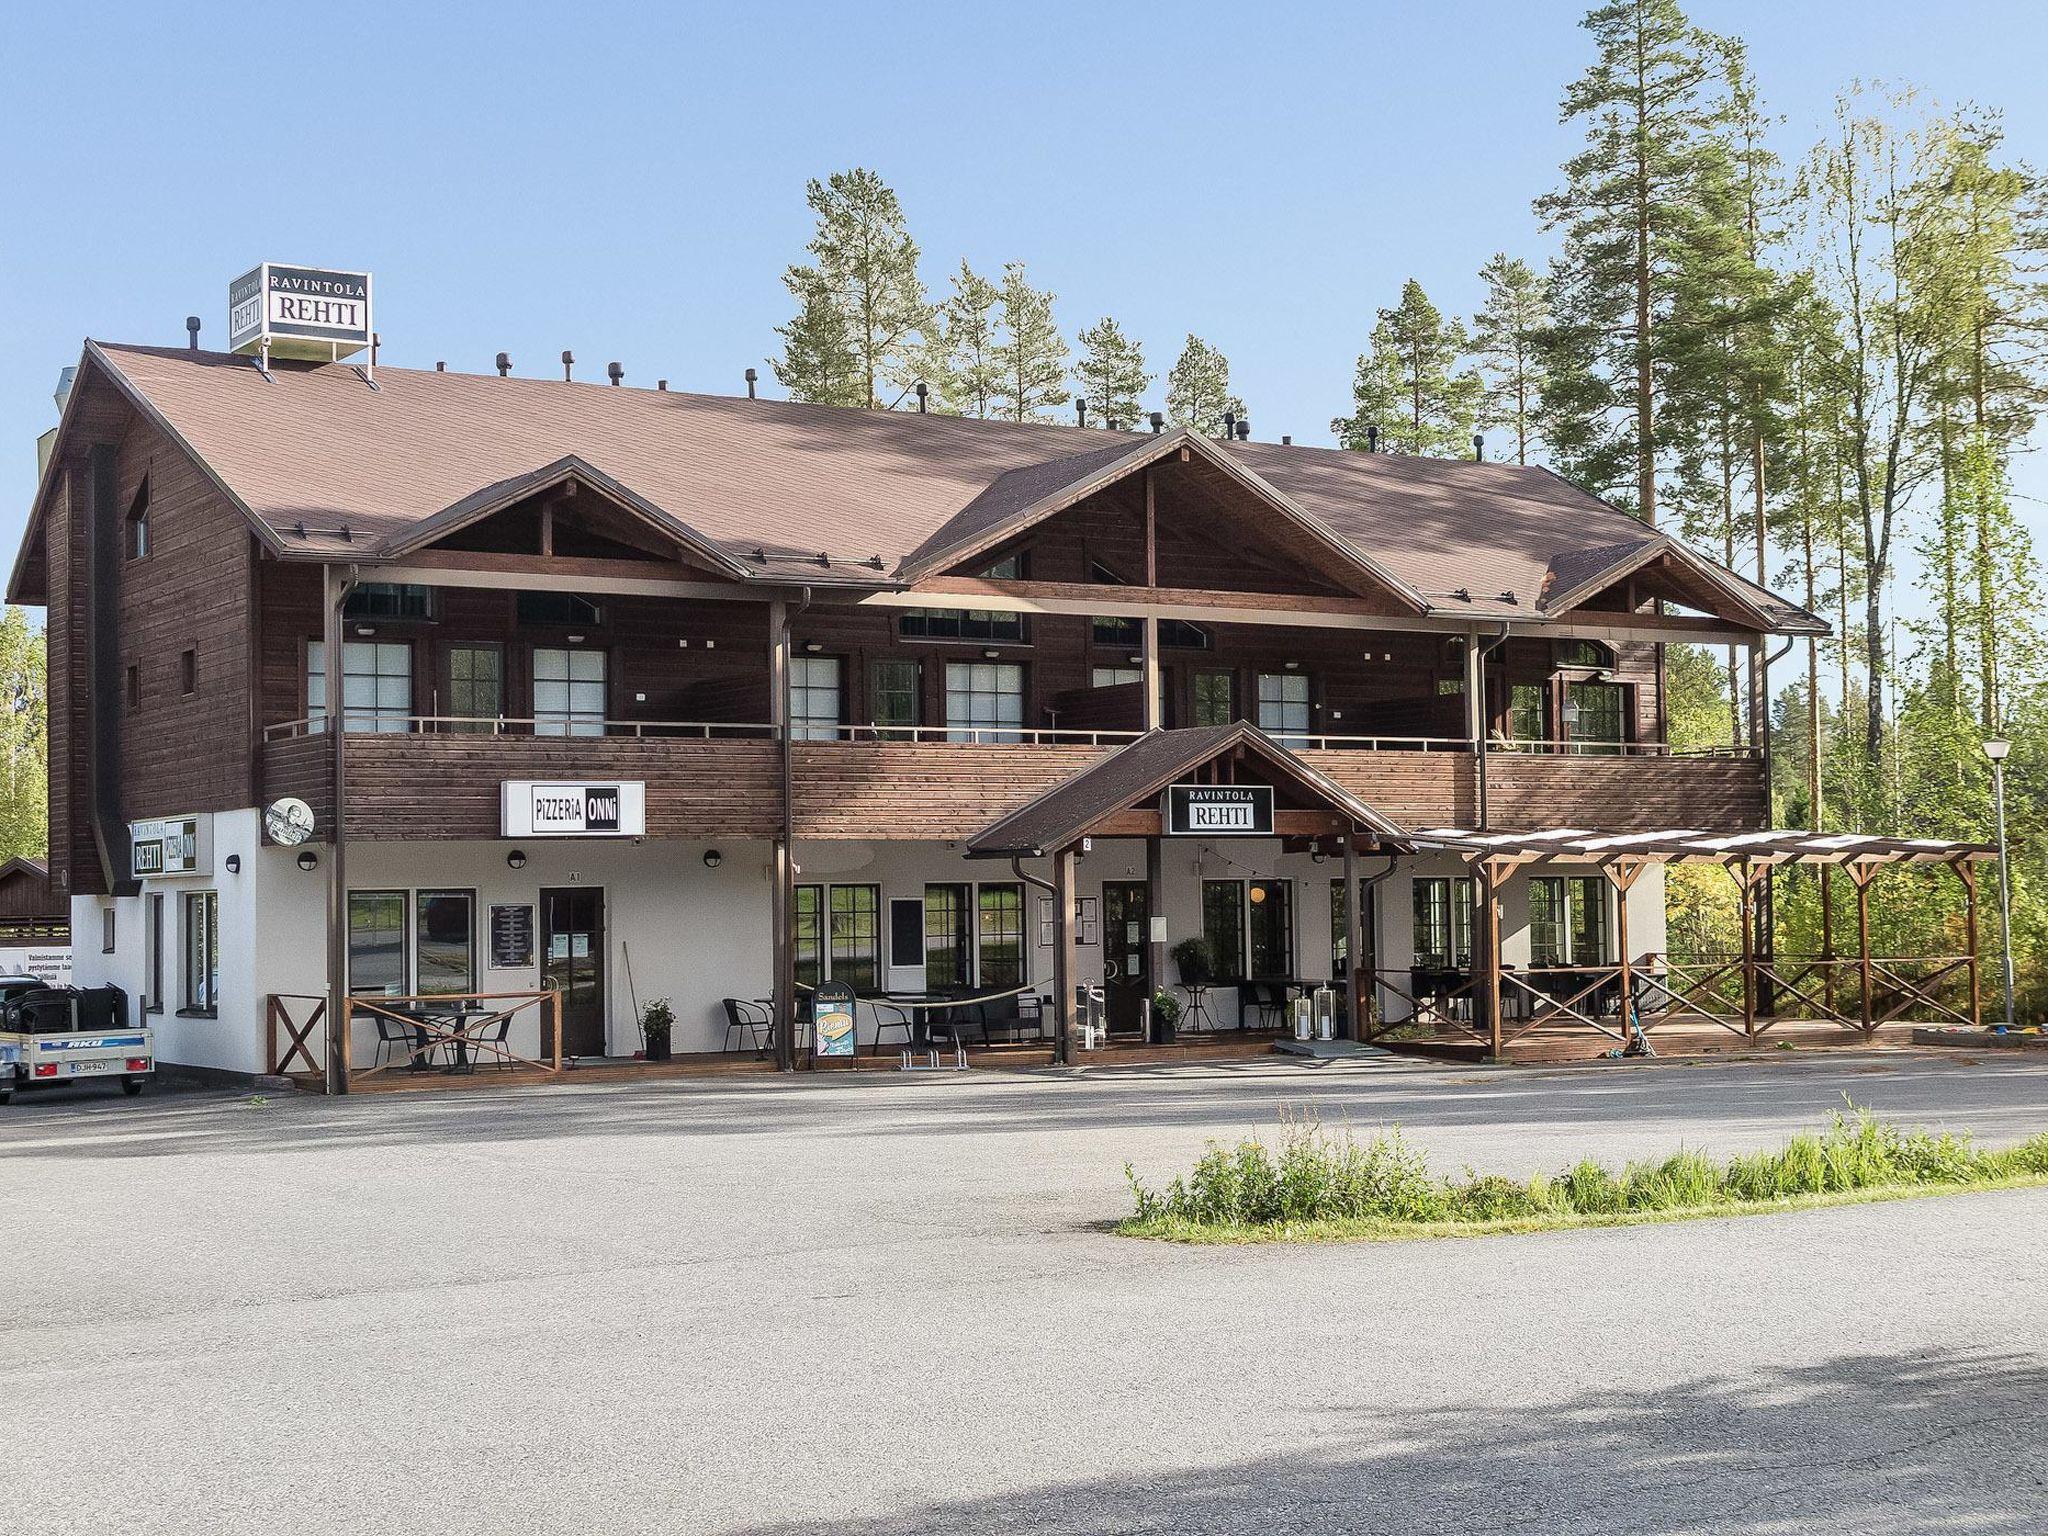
[(657, 1048)]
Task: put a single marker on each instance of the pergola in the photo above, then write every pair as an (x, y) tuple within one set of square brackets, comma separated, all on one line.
[(1886, 987)]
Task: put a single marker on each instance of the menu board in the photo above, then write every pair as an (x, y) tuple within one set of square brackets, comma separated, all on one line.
[(511, 938)]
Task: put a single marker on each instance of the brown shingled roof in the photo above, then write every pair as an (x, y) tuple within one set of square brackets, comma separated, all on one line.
[(877, 496)]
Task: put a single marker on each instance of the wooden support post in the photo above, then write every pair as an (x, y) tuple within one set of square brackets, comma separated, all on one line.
[(555, 1028), (1063, 957), (1745, 879), (1354, 944), (334, 592), (1827, 936), (1622, 876), (1487, 941), (1966, 873), (1154, 715), (1861, 874), (1155, 918)]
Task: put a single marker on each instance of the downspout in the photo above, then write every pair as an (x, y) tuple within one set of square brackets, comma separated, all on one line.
[(1476, 681)]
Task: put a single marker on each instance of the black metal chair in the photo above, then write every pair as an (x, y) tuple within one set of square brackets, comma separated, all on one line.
[(888, 1015), (753, 1022), (401, 1036)]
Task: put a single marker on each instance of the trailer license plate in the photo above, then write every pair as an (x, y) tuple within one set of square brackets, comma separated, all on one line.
[(89, 1068)]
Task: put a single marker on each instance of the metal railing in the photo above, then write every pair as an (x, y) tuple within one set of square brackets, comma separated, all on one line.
[(371, 723), (1536, 747)]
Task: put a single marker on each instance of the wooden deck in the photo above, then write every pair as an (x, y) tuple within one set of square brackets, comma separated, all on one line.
[(1568, 1043)]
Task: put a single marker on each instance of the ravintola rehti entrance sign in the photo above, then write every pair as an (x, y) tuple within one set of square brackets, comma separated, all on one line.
[(1219, 810)]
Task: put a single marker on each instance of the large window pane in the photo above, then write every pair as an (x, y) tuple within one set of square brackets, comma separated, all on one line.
[(856, 913), (1596, 716), (984, 701), (476, 686), (1528, 714), (808, 935), (568, 692), (1546, 921), (960, 624), (444, 943), (1270, 904), (1215, 699), (376, 943), (947, 941), (202, 952), (388, 600), (1223, 925), (1283, 706), (1001, 926), (893, 694), (376, 684), (1589, 920), (1443, 923), (814, 698)]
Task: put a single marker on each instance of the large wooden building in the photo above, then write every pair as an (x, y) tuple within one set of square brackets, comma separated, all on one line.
[(653, 695)]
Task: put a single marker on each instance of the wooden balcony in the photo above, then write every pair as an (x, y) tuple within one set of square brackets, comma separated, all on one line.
[(709, 781)]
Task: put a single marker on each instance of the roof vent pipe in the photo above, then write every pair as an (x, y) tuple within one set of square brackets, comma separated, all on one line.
[(1286, 441), (662, 385), (1158, 423), (504, 364), (1115, 425), (441, 367), (1372, 439), (752, 378), (1081, 410), (1244, 431), (921, 392), (615, 373), (192, 333), (1478, 447), (568, 362)]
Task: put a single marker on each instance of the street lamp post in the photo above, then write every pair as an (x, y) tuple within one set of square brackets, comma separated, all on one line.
[(1996, 750)]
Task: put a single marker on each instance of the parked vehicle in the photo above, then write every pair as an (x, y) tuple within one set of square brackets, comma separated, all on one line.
[(55, 1035)]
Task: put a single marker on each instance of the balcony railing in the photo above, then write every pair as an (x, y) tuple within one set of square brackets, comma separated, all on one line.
[(370, 723)]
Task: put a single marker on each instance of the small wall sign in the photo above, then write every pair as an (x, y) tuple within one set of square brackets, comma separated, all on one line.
[(511, 938), (1219, 810), (530, 808), (173, 845)]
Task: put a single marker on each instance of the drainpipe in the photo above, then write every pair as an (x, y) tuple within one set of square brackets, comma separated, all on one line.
[(785, 950), (335, 584), (1475, 699)]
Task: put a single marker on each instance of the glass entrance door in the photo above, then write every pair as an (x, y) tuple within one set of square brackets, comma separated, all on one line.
[(572, 939), (1126, 953)]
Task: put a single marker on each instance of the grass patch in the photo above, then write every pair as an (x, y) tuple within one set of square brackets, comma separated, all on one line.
[(1316, 1185)]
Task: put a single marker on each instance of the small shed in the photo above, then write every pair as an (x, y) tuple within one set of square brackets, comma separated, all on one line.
[(28, 910)]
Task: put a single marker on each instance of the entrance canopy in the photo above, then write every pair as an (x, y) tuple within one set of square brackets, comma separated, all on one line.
[(1693, 847), (1120, 795)]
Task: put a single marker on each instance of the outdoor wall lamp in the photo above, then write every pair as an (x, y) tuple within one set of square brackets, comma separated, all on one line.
[(713, 858), (308, 859), (812, 647), (991, 654), (516, 859), (234, 863), (366, 630)]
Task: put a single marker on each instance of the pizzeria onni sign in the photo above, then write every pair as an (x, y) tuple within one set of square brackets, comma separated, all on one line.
[(536, 808)]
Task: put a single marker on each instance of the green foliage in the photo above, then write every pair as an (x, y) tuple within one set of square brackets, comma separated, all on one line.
[(1111, 374), (24, 739), (1505, 335), (1411, 385), (657, 1019), (1198, 388), (1384, 1182), (1030, 353), (1195, 959), (962, 368), (861, 307), (1165, 1007)]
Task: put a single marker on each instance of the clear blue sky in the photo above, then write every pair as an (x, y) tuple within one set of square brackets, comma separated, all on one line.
[(628, 181)]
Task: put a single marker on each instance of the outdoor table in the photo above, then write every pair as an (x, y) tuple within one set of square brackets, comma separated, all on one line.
[(452, 1026)]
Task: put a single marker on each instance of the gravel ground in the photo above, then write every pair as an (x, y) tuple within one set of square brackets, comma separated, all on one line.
[(887, 1305)]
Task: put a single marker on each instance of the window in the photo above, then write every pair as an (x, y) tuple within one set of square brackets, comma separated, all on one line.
[(188, 671), (1595, 716), (443, 943), (984, 700), (960, 624), (1583, 653), (137, 527), (134, 685), (153, 1002), (856, 935), (106, 930), (1443, 923), (807, 937), (202, 952), (1125, 632), (1215, 698), (947, 942), (893, 695), (1223, 925), (376, 943), (476, 686), (376, 684), (814, 698), (388, 600), (1270, 905), (1567, 920), (1340, 918), (1000, 925), (1283, 706), (568, 692), (558, 609), (1113, 677), (1528, 714)]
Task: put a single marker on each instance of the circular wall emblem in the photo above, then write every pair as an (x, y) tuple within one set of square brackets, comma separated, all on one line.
[(288, 822)]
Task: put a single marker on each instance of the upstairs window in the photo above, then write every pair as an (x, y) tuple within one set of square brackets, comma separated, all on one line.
[(1583, 653), (562, 610), (1105, 629), (388, 600), (137, 529), (376, 684), (969, 623), (1283, 706), (815, 695), (568, 692), (984, 701)]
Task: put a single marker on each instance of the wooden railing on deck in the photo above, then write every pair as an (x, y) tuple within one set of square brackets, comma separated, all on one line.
[(299, 1014)]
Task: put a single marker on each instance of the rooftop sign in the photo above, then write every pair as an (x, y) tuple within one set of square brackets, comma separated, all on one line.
[(303, 312)]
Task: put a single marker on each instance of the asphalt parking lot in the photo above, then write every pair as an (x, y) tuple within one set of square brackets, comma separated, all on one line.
[(891, 1305)]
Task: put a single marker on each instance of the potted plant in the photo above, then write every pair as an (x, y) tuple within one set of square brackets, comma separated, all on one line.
[(1165, 1014), (1195, 959), (657, 1023)]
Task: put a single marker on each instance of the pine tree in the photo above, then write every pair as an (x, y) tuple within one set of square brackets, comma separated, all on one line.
[(1030, 353), (863, 268), (1111, 373), (24, 739), (1198, 388), (1410, 384), (1629, 208), (961, 366), (1505, 332), (818, 363)]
